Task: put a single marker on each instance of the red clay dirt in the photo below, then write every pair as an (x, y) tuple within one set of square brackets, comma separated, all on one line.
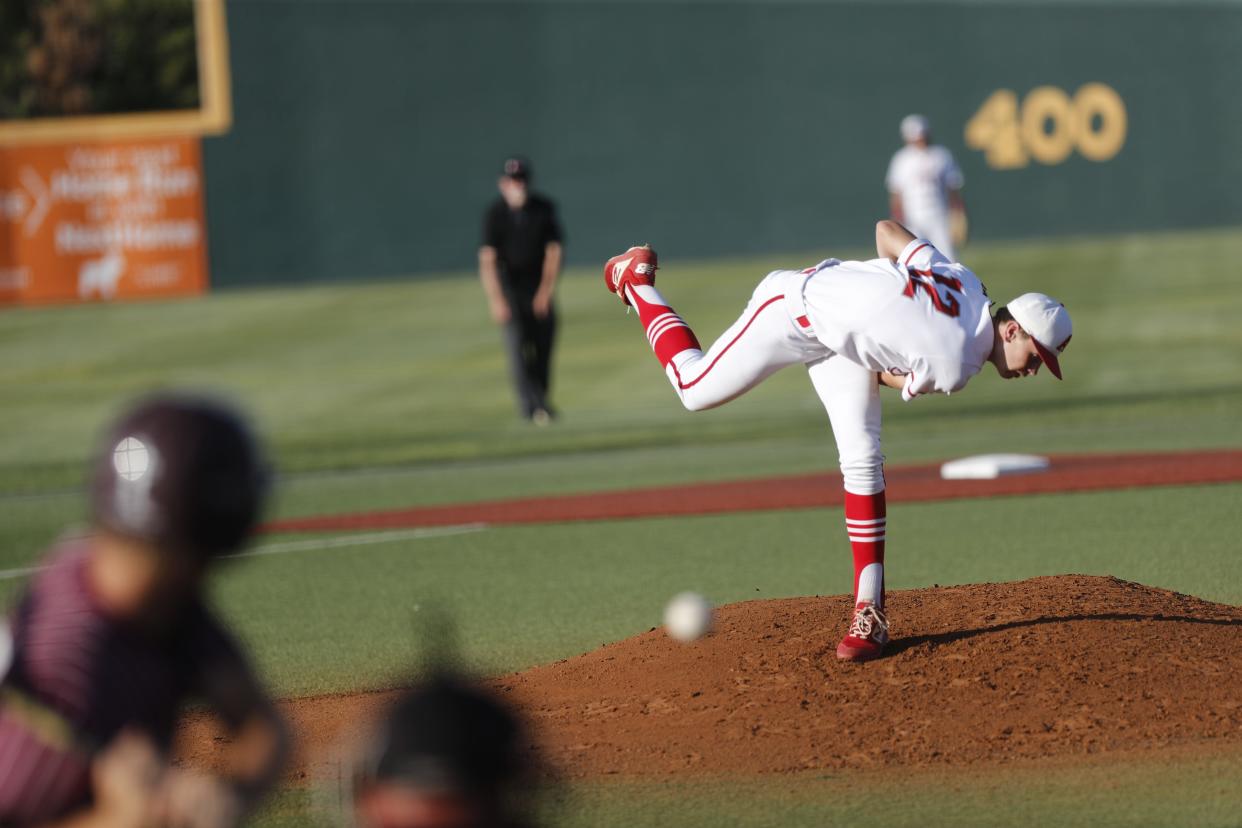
[(907, 484), (1057, 667)]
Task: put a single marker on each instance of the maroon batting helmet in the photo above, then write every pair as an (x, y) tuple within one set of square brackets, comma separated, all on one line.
[(182, 472)]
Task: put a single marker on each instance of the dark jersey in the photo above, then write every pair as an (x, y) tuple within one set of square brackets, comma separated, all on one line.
[(520, 238), (77, 678)]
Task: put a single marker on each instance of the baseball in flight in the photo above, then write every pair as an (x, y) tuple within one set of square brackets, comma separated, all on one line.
[(687, 617)]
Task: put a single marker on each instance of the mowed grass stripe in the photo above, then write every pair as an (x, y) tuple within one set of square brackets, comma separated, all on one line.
[(351, 375)]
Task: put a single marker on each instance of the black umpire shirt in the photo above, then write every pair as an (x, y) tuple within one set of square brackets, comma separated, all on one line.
[(520, 238)]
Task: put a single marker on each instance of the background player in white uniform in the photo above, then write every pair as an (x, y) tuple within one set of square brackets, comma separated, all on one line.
[(911, 320), (925, 189)]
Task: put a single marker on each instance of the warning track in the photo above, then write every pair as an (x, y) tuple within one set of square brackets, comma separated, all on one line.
[(1068, 473)]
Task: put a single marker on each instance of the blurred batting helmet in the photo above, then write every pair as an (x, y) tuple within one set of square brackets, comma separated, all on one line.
[(182, 472), (448, 736)]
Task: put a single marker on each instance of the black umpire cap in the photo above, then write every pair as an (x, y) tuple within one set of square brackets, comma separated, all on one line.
[(182, 472), (516, 167)]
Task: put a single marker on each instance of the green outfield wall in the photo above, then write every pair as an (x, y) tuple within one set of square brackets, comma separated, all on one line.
[(368, 134)]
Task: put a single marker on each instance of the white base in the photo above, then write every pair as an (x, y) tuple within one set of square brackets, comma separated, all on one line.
[(989, 466)]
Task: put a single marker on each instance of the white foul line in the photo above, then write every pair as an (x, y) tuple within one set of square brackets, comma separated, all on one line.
[(10, 574), (314, 544)]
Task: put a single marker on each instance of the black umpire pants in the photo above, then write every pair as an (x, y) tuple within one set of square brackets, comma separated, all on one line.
[(529, 342)]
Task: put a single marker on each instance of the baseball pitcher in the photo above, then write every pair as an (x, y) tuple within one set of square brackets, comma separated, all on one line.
[(911, 319)]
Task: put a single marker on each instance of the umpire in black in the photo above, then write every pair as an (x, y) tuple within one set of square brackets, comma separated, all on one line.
[(519, 262)]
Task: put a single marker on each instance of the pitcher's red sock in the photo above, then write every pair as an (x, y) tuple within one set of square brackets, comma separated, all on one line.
[(667, 332), (865, 521)]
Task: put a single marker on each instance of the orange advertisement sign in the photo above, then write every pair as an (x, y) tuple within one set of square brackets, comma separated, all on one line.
[(101, 221)]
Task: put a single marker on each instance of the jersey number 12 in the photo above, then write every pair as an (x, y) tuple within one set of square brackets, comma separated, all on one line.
[(927, 282)]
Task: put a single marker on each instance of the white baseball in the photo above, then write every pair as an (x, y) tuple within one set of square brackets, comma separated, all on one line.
[(687, 617)]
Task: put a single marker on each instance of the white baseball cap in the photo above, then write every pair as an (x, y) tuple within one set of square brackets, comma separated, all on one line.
[(914, 127), (1047, 322)]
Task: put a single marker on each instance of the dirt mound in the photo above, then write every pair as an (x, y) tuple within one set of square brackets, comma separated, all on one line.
[(1050, 666), (1060, 666)]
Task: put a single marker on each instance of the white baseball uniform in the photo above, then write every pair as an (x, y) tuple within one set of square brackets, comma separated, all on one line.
[(923, 178), (922, 317)]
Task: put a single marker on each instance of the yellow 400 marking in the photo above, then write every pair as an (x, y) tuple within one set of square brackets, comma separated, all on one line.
[(1048, 126)]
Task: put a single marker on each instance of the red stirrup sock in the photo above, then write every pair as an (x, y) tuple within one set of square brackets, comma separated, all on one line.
[(667, 332), (865, 521)]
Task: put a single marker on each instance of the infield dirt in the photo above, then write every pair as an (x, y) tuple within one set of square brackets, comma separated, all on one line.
[(1065, 666), (904, 484)]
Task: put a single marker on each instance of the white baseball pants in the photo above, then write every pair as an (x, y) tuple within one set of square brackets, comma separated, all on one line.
[(773, 333)]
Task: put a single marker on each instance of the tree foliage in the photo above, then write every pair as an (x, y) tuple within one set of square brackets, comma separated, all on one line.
[(80, 57)]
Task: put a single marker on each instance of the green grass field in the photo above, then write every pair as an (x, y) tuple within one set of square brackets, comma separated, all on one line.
[(394, 394)]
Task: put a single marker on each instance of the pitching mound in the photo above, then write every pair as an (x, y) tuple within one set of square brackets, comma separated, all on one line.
[(1051, 666), (1062, 666)]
